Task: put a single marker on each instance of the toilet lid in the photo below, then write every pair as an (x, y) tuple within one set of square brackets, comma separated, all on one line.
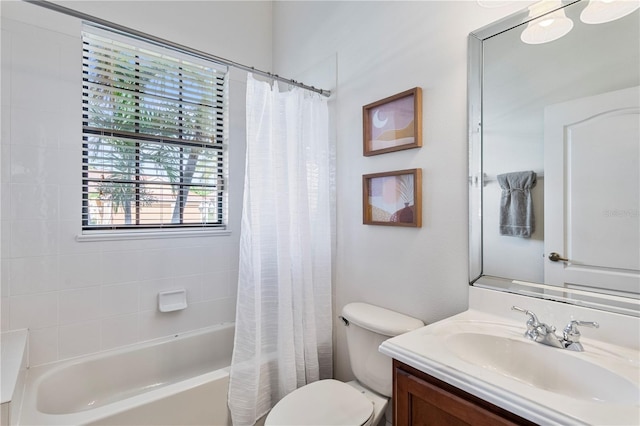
[(325, 402)]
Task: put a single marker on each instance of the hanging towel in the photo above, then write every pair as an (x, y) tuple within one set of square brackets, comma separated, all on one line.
[(516, 204)]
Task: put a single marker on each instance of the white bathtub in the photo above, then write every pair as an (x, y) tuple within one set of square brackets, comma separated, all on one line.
[(181, 380)]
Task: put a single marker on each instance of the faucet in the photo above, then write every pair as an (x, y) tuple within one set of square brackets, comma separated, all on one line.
[(546, 334)]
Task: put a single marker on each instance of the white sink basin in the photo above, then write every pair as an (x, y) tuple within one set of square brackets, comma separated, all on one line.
[(554, 370)]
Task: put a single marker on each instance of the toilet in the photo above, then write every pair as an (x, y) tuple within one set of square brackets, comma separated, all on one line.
[(362, 401)]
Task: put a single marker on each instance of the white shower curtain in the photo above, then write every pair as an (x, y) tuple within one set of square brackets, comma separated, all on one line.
[(283, 321)]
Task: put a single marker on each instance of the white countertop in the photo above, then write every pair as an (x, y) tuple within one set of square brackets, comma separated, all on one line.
[(428, 350)]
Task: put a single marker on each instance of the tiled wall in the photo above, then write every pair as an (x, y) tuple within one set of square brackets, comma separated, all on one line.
[(83, 297)]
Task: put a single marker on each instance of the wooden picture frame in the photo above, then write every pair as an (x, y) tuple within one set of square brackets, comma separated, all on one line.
[(393, 123), (392, 198)]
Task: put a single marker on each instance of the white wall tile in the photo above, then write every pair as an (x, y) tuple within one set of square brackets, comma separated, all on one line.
[(28, 275), (79, 270), (70, 165), (70, 63), (5, 119), (5, 153), (70, 92), (120, 245), (155, 264), (70, 130), (79, 305), (36, 65), (4, 277), (119, 331), (119, 299), (33, 238), (220, 258), (34, 202), (216, 311), (32, 126), (5, 70), (68, 230), (149, 292), (34, 311), (187, 260), (78, 339), (34, 164), (216, 285), (188, 319), (5, 314), (119, 266), (154, 324), (70, 201), (43, 345), (192, 284), (5, 238)]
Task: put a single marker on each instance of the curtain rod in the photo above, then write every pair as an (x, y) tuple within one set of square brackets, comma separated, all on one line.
[(166, 43)]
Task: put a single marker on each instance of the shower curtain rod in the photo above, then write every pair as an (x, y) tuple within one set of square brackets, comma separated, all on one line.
[(166, 43)]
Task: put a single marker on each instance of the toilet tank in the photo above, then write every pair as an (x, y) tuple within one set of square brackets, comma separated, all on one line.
[(367, 326)]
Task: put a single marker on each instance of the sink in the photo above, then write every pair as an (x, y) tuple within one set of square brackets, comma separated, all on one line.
[(488, 356), (551, 369)]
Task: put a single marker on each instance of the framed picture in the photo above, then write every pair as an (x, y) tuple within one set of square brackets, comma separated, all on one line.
[(392, 198), (393, 123)]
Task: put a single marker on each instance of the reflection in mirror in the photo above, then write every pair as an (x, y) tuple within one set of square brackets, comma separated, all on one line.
[(555, 155)]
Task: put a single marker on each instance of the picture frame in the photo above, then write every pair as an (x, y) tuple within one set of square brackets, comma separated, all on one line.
[(392, 198), (393, 123)]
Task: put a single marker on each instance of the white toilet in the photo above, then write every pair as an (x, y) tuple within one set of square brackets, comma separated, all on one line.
[(359, 402)]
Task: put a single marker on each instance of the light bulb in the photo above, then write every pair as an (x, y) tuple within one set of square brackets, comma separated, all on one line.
[(601, 11), (548, 27)]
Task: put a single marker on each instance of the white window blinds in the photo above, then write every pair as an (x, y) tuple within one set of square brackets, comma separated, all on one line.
[(153, 136)]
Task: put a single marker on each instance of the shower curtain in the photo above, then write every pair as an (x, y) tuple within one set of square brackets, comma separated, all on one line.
[(283, 320)]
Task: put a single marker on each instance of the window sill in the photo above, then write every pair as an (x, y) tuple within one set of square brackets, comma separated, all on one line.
[(144, 235)]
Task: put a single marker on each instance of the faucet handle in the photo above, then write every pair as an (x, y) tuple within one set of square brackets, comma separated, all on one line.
[(532, 322), (533, 319), (571, 328), (571, 334)]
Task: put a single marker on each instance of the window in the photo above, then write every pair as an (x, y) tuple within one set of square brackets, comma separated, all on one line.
[(153, 136)]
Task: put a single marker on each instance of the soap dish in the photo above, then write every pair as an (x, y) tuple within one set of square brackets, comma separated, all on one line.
[(173, 300)]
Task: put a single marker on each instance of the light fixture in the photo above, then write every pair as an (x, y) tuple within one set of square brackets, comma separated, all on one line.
[(601, 11), (549, 26)]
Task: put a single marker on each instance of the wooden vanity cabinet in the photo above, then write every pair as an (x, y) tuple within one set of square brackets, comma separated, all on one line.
[(420, 399)]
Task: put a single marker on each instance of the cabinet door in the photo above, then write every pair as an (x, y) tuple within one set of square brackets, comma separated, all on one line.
[(425, 402)]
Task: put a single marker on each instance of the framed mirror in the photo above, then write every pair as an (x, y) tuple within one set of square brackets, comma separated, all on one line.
[(554, 154)]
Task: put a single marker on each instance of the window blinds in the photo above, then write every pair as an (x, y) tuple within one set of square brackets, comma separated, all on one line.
[(153, 136)]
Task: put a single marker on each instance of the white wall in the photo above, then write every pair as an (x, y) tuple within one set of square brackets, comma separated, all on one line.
[(379, 49), (83, 297)]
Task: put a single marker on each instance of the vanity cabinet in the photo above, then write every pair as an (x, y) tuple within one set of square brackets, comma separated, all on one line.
[(420, 399)]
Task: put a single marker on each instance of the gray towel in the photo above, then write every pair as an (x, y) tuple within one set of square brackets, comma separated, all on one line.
[(516, 205)]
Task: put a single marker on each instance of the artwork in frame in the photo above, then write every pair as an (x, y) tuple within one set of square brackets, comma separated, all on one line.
[(393, 198), (393, 123)]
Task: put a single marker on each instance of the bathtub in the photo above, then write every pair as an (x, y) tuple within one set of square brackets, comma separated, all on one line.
[(182, 380)]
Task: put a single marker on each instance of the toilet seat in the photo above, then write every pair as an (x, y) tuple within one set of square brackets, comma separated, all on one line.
[(325, 402)]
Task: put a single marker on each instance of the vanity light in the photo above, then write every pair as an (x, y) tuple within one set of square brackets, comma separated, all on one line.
[(548, 27), (601, 11)]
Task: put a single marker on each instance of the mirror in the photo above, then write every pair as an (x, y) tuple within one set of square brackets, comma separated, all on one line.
[(566, 110)]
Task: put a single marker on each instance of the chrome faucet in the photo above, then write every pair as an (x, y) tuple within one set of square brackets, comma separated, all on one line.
[(546, 334)]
